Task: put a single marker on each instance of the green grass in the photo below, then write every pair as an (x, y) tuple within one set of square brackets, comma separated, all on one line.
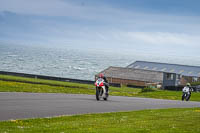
[(151, 121), (61, 87), (195, 83), (76, 88), (47, 82), (7, 86)]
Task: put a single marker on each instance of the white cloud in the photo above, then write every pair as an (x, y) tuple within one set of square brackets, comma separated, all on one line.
[(112, 26), (145, 38), (98, 12), (130, 39), (163, 38)]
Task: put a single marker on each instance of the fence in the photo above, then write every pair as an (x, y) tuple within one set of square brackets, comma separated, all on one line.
[(52, 78)]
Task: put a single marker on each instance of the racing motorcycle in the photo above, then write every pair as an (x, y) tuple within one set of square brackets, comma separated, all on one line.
[(186, 96), (100, 89)]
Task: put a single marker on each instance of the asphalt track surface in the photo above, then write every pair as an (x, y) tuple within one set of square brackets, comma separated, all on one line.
[(34, 105)]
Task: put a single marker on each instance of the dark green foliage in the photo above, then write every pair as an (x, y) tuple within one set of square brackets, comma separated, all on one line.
[(148, 89)]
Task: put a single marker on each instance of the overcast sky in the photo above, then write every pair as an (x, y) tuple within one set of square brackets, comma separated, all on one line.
[(163, 27)]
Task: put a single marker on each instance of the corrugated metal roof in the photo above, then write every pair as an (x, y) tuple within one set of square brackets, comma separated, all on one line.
[(133, 74), (185, 70)]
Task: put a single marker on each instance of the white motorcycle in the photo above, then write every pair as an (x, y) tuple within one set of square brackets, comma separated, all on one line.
[(100, 89), (186, 96)]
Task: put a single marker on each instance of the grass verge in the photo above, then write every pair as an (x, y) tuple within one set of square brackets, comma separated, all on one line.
[(44, 82), (151, 121), (50, 86)]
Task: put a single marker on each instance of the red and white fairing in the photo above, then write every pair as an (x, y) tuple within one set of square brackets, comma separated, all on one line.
[(100, 83)]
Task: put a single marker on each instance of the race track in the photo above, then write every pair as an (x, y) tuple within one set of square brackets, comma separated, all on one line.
[(34, 105)]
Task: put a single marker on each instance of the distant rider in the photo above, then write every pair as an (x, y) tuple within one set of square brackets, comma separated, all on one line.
[(187, 90), (101, 75)]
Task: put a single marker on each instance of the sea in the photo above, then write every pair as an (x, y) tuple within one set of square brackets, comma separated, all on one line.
[(76, 63)]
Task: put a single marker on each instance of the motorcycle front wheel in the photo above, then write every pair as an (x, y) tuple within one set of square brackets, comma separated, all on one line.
[(97, 94)]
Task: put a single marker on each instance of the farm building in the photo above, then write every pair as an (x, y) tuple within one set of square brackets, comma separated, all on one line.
[(142, 73), (129, 76), (174, 74)]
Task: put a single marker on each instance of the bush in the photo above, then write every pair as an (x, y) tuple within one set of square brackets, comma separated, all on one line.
[(148, 89), (195, 83)]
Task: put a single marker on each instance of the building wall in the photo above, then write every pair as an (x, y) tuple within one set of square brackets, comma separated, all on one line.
[(127, 82), (183, 81), (169, 79), (186, 79)]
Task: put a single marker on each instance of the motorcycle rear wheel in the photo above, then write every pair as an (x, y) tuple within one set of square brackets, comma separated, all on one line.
[(105, 98)]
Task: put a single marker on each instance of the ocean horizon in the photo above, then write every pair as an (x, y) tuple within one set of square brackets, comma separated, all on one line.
[(73, 62)]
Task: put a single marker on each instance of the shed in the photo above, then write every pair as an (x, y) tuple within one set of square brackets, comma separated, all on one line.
[(185, 70), (129, 76), (174, 74)]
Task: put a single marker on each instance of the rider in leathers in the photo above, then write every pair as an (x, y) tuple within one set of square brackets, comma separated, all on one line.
[(187, 90), (101, 75)]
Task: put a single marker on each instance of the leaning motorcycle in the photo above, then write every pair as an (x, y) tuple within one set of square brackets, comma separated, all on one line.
[(186, 96), (100, 89)]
